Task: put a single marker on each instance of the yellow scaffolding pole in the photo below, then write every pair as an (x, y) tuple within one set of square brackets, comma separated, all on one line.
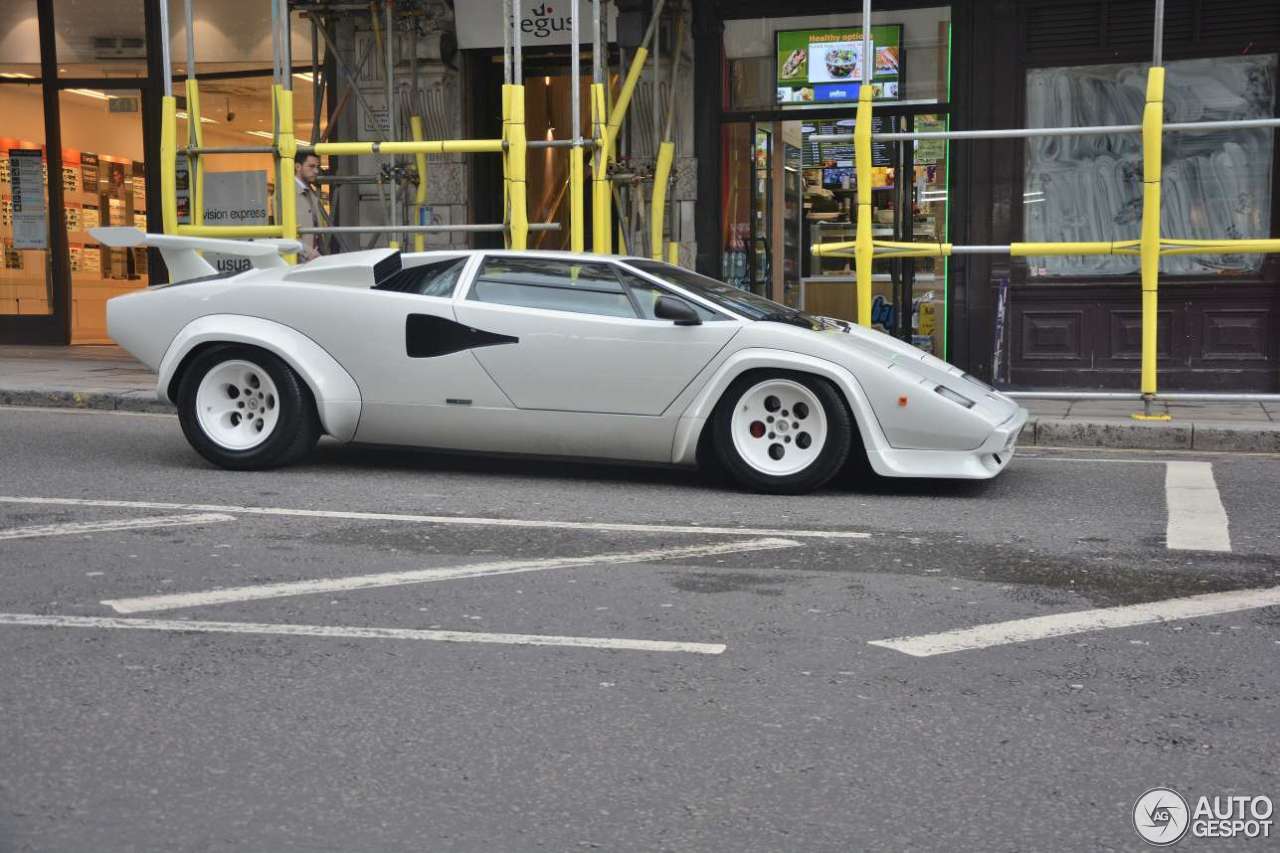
[(195, 168), (618, 110), (864, 250), (506, 163), (1152, 129), (286, 151), (577, 241), (420, 197), (601, 198), (517, 165), (242, 231), (169, 164), (661, 177)]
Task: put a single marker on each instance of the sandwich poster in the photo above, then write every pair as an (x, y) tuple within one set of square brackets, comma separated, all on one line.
[(825, 65)]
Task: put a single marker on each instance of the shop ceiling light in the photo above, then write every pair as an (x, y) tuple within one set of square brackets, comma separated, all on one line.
[(203, 119), (263, 133), (16, 75), (92, 93), (304, 75)]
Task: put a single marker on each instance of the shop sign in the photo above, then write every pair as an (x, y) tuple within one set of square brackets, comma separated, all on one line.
[(30, 215), (233, 199), (541, 23)]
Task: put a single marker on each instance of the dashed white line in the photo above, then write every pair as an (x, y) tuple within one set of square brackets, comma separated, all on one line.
[(86, 527), (1082, 621), (444, 519), (1197, 519), (324, 631), (504, 567)]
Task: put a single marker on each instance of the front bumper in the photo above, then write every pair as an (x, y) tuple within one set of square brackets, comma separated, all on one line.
[(982, 463)]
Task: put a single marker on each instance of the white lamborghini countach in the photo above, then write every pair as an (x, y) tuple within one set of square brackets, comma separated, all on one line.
[(547, 353)]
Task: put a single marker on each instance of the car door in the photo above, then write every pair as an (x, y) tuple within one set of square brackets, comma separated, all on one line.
[(418, 380), (578, 339)]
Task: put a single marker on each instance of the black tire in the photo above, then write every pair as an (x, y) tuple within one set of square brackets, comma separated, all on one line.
[(297, 428), (829, 460)]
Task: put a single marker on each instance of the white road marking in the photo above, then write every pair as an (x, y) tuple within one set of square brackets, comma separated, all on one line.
[(194, 627), (1081, 459), (445, 519), (63, 410), (1197, 519), (85, 527), (503, 567), (1082, 621)]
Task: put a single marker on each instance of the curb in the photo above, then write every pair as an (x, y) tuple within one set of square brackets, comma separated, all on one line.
[(1127, 434), (140, 401)]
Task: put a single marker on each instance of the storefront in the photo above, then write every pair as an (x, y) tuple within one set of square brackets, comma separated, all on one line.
[(80, 89), (767, 85)]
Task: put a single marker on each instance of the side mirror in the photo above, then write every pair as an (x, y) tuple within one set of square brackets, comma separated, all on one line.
[(670, 308)]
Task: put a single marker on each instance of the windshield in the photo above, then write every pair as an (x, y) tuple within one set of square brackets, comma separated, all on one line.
[(742, 302)]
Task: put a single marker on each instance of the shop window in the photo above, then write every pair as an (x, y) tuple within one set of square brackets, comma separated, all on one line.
[(19, 41), (103, 183), (25, 272), (1089, 188)]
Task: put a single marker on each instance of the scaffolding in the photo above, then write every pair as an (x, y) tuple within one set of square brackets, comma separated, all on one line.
[(1149, 248), (395, 177)]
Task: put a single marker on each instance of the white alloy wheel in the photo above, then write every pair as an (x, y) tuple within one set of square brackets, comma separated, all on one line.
[(237, 405), (779, 427)]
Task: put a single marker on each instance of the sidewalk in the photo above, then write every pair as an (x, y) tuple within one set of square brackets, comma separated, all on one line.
[(102, 377)]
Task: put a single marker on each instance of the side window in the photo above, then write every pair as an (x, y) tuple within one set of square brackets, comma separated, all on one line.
[(647, 294), (435, 278), (583, 288)]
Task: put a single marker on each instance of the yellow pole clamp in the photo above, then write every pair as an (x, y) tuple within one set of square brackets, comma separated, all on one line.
[(195, 168), (517, 165), (169, 164), (1152, 129), (420, 197), (863, 248)]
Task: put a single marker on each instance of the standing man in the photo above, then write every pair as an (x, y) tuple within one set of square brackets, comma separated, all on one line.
[(309, 215)]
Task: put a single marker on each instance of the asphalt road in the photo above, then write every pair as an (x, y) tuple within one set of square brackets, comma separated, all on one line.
[(628, 680)]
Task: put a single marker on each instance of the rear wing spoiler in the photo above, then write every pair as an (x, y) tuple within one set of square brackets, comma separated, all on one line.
[(180, 253)]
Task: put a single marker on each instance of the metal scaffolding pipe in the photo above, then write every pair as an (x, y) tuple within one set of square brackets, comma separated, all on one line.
[(164, 50), (286, 47), (228, 149), (868, 61), (424, 229), (1022, 133), (388, 38), (1157, 53)]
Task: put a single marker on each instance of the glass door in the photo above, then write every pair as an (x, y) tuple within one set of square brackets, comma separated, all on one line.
[(760, 255)]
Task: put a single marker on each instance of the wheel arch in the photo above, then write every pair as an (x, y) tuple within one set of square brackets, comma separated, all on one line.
[(693, 430), (334, 390)]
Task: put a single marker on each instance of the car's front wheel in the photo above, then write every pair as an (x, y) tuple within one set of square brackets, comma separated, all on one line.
[(242, 407), (783, 433)]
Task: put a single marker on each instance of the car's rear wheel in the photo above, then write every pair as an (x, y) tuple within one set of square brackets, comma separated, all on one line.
[(242, 407), (783, 433)]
